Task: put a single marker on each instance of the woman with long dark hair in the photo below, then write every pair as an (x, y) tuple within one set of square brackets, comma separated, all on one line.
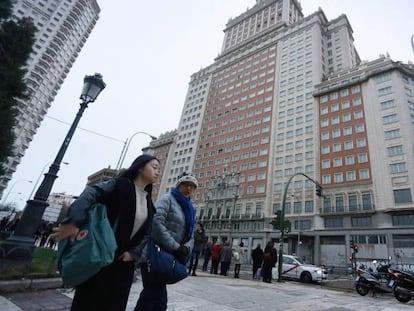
[(129, 205)]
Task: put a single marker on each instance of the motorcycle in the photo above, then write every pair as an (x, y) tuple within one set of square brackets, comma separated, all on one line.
[(404, 285), (376, 282)]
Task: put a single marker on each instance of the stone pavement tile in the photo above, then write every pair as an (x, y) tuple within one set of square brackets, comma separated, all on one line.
[(7, 305), (43, 300)]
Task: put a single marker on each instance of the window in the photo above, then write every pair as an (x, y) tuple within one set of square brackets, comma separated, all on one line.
[(349, 160), (336, 133), (333, 223), (362, 158), (402, 196), (395, 150), (360, 128), (337, 147), (392, 134), (385, 91), (338, 177), (346, 117), (326, 164), (337, 162), (325, 136), (350, 176), (361, 221), (361, 142), (325, 149), (346, 104), (355, 89), (339, 203), (398, 168), (389, 119), (349, 145), (352, 202), (363, 174), (366, 201), (387, 104)]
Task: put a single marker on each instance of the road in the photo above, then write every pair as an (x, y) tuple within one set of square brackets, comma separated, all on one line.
[(207, 292)]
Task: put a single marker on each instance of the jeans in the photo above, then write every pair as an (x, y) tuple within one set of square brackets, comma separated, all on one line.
[(193, 262), (153, 296)]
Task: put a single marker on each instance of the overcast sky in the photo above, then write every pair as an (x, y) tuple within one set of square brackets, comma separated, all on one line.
[(146, 52)]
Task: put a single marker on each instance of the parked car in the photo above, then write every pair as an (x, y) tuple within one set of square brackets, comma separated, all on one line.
[(294, 268)]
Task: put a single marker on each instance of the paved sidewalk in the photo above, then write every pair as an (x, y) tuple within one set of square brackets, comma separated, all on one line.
[(207, 292)]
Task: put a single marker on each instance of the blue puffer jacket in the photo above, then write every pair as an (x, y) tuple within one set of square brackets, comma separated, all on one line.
[(168, 226)]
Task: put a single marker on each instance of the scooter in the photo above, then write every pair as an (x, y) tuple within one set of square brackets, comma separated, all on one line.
[(375, 282), (404, 285)]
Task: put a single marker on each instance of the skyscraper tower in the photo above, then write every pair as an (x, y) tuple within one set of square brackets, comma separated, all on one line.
[(63, 28), (288, 94)]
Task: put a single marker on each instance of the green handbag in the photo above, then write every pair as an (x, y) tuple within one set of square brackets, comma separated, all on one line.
[(93, 248)]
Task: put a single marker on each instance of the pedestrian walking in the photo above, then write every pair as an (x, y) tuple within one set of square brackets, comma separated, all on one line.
[(172, 229), (128, 202), (238, 256), (199, 242), (225, 258), (215, 257), (207, 254), (269, 261), (257, 257)]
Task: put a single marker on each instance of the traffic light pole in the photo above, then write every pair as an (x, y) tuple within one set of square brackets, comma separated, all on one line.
[(284, 225)]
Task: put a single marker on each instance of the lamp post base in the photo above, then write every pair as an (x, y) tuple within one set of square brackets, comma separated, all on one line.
[(16, 257)]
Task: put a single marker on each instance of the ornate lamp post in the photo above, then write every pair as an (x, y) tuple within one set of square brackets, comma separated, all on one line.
[(19, 246)]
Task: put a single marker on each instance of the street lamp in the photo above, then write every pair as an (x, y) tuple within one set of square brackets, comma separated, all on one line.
[(126, 147), (40, 176), (11, 188), (19, 246), (235, 197), (284, 225)]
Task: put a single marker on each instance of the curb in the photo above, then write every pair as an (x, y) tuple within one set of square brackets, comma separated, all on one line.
[(29, 284)]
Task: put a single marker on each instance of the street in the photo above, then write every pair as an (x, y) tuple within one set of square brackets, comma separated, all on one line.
[(207, 292)]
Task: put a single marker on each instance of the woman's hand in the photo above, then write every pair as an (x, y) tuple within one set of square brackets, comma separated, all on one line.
[(64, 231), (125, 256)]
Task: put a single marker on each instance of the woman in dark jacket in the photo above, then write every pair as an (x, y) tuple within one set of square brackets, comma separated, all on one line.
[(129, 204), (269, 261)]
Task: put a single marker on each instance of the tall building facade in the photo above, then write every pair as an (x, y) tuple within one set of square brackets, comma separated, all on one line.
[(258, 124), (63, 28)]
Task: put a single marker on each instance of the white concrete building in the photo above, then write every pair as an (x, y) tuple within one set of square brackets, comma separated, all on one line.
[(63, 28)]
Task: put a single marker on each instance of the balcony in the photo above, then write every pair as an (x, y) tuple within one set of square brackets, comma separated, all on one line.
[(348, 210)]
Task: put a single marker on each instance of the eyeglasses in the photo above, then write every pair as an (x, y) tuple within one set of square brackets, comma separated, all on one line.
[(188, 185)]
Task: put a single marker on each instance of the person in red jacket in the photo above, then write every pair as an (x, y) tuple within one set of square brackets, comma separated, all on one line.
[(215, 257)]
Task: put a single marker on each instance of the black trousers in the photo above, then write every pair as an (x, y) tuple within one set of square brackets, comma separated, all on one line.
[(106, 291)]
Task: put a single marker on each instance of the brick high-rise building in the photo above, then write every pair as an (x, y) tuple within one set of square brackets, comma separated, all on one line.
[(63, 28), (286, 104)]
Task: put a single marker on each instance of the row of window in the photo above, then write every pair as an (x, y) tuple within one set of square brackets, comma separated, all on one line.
[(348, 160), (362, 174)]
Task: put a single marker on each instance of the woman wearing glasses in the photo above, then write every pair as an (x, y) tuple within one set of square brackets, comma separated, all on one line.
[(173, 229)]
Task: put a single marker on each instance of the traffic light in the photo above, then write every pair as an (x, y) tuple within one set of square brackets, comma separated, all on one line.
[(356, 248), (276, 221), (351, 244), (319, 190)]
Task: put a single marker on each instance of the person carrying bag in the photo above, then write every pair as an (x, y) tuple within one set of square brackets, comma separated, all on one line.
[(128, 203), (173, 230)]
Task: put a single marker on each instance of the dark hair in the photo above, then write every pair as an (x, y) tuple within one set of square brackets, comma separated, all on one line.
[(135, 167)]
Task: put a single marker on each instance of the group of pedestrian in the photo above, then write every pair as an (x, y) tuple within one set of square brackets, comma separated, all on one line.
[(222, 255), (170, 222), (264, 262)]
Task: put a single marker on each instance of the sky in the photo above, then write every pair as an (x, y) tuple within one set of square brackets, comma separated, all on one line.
[(146, 52)]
